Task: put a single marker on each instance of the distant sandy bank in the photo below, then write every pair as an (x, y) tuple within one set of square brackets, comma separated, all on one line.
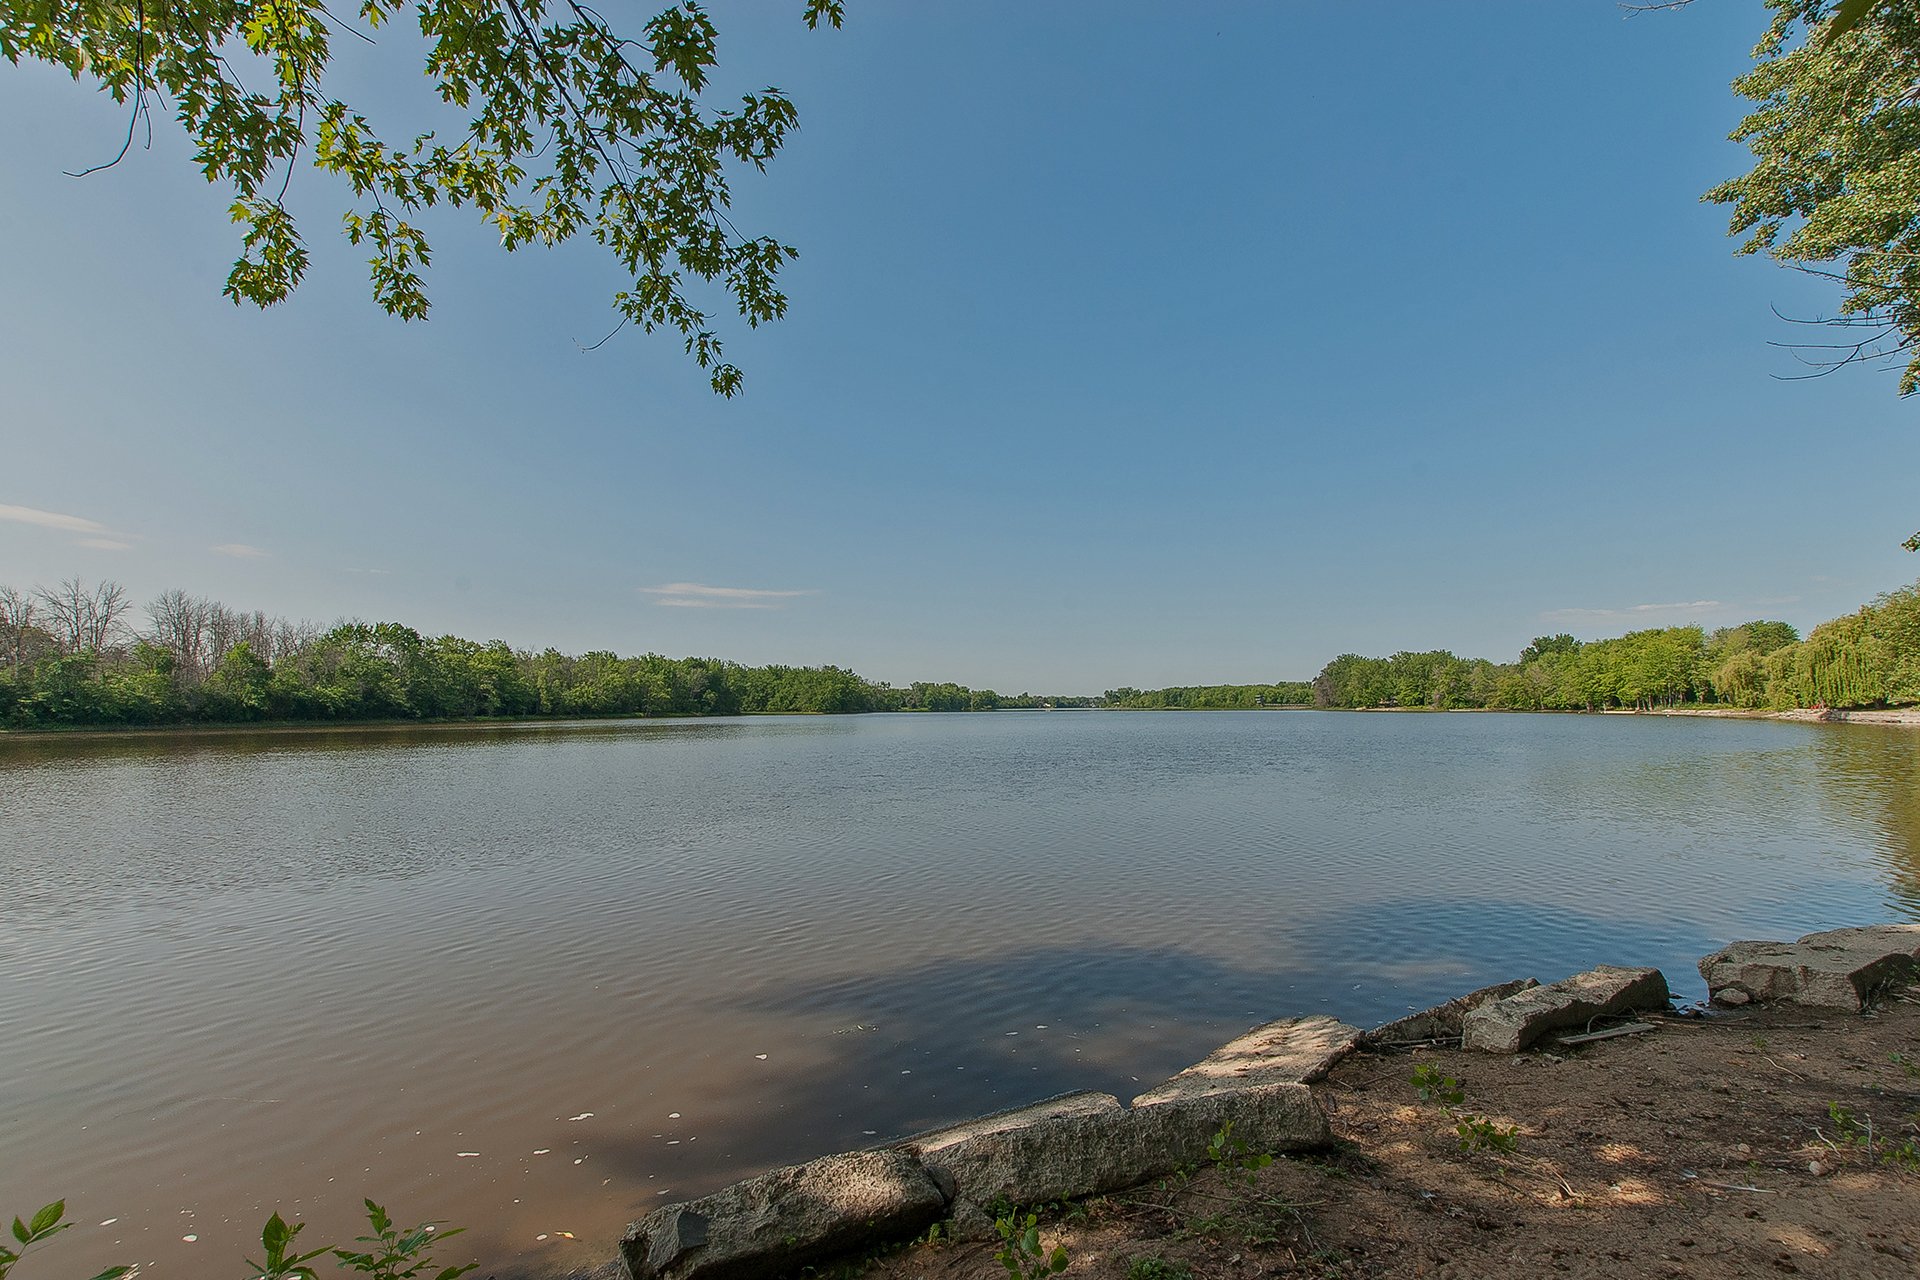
[(1824, 715)]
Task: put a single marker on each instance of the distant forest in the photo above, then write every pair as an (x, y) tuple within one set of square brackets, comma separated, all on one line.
[(72, 656), (1866, 659), (1214, 697)]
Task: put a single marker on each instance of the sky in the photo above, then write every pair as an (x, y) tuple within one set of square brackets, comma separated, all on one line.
[(1130, 344)]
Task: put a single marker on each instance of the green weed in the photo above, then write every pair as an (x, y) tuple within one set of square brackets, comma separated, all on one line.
[(1236, 1161), (1021, 1252), (1151, 1268), (43, 1226), (398, 1255), (1477, 1133), (1434, 1086), (391, 1254), (1852, 1131)]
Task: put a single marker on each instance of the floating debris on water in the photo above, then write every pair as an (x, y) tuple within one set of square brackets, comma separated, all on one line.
[(584, 1115)]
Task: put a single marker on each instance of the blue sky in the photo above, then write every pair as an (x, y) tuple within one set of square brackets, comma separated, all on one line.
[(1130, 344)]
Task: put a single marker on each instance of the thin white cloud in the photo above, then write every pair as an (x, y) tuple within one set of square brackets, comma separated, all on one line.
[(104, 544), (1637, 611), (379, 572), (698, 595), (239, 551), (51, 520)]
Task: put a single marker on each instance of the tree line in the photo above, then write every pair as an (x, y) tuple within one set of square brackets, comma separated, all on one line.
[(1869, 658), (72, 655), (1213, 697)]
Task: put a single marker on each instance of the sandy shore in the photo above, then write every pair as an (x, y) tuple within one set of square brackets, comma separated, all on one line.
[(1817, 715), (1703, 1148)]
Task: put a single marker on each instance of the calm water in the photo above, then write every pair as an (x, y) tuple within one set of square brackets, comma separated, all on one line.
[(627, 961)]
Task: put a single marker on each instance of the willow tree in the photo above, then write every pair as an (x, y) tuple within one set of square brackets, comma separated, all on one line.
[(1835, 186), (567, 127)]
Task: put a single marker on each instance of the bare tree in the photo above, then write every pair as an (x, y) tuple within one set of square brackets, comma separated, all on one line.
[(284, 638), (16, 618), (85, 618), (201, 632), (179, 624)]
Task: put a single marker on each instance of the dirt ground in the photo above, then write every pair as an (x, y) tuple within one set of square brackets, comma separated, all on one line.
[(1704, 1148)]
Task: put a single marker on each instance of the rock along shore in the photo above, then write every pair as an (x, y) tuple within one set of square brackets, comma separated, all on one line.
[(1091, 1144)]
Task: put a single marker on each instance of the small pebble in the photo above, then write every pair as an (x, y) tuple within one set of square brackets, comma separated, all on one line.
[(1818, 1169)]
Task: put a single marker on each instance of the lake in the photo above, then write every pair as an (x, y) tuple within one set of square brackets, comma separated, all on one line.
[(538, 979)]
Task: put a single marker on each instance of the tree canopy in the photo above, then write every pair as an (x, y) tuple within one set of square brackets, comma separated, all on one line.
[(568, 127), (1835, 186)]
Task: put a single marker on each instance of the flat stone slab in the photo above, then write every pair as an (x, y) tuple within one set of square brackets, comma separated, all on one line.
[(1023, 1155), (1834, 969), (783, 1220), (1283, 1116), (1086, 1144), (1510, 1024), (928, 1144), (1289, 1051), (1443, 1021)]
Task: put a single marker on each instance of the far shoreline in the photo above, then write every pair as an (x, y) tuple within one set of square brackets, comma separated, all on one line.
[(1899, 717)]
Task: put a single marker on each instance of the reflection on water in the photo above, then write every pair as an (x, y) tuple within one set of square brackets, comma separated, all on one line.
[(539, 978), (1871, 776)]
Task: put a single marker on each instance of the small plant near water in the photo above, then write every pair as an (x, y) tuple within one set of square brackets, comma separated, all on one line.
[(1236, 1161), (282, 1263), (399, 1255), (391, 1254), (43, 1226), (1433, 1085), (1152, 1268), (1021, 1252), (1477, 1133), (1852, 1131)]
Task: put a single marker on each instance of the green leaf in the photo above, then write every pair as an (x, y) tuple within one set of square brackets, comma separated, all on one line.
[(114, 1273), (1847, 17), (44, 1220)]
